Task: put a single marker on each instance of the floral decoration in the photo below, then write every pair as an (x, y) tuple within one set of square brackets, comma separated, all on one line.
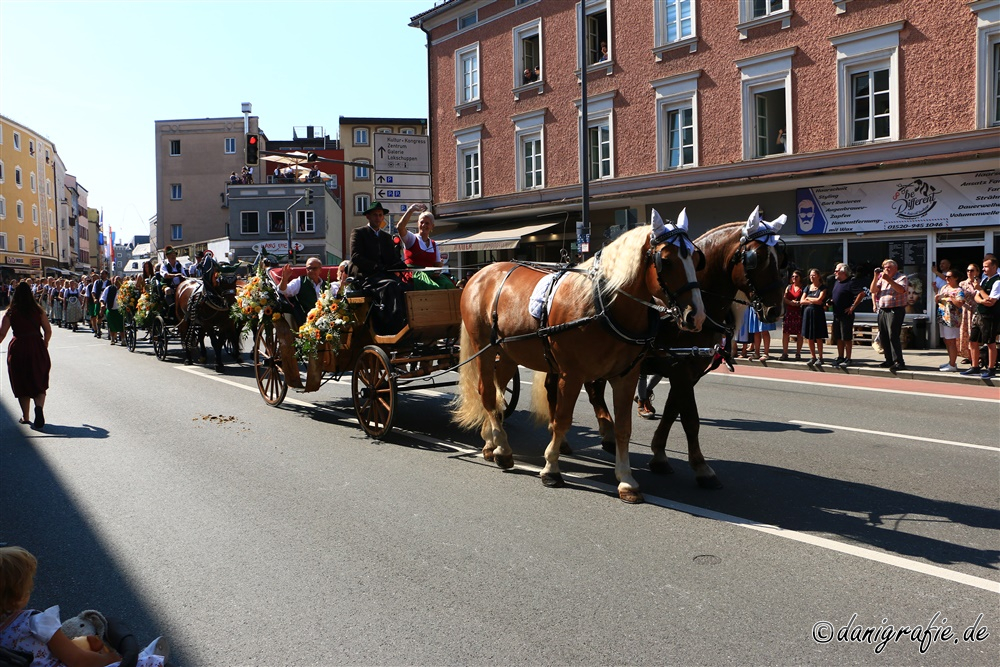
[(257, 299), (128, 296), (147, 306), (326, 324)]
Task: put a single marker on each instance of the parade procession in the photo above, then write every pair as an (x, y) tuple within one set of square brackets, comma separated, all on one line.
[(499, 332)]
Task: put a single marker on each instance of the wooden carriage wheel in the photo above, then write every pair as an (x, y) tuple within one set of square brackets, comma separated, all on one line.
[(271, 380), (511, 393), (374, 389), (159, 337), (130, 334)]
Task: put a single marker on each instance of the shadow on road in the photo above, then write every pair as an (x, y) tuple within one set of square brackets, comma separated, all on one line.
[(36, 512)]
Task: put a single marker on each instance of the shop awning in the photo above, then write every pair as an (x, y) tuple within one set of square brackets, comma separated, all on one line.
[(503, 237)]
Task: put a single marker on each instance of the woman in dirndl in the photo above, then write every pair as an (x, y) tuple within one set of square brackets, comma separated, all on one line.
[(72, 306), (814, 317), (420, 250)]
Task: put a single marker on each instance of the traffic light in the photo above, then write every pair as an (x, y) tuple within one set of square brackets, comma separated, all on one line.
[(253, 149), (308, 199)]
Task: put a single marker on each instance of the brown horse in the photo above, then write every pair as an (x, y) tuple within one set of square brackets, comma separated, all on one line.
[(603, 305), (741, 259), (200, 313)]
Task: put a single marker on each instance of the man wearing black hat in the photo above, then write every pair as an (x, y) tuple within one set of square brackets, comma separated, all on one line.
[(172, 274), (375, 256)]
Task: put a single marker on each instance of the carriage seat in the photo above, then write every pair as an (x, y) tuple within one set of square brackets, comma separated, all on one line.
[(328, 273)]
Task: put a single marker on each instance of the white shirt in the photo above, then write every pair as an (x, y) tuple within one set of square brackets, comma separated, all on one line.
[(294, 286), (412, 238)]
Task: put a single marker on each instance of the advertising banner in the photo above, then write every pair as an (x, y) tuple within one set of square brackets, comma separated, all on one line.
[(934, 202)]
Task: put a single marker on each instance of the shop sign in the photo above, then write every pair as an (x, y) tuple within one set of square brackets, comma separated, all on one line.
[(934, 202), (276, 247), (11, 259)]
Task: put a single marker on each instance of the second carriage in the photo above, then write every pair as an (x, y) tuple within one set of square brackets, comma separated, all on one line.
[(381, 366)]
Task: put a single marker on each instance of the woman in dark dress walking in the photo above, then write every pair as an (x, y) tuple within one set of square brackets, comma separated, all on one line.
[(28, 360)]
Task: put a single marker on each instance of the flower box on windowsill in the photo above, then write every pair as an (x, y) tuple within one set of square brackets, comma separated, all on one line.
[(784, 16), (690, 43), (537, 86), (475, 104)]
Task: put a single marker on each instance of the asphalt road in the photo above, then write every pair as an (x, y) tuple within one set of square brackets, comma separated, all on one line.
[(252, 535)]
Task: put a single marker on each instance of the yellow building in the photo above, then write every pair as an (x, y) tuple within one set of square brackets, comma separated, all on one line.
[(28, 232)]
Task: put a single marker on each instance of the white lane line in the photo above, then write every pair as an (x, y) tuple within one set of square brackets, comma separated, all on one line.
[(834, 427), (775, 531), (902, 390)]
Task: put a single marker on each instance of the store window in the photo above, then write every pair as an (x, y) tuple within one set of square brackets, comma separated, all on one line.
[(820, 256), (911, 255)]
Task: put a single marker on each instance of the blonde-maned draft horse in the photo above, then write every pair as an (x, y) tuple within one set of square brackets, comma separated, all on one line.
[(594, 321), (744, 267)]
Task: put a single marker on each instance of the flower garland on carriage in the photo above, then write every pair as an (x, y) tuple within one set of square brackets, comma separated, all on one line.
[(328, 326), (256, 301), (149, 303), (128, 297)]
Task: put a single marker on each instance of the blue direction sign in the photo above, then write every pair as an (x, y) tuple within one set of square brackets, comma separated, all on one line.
[(402, 180), (405, 194)]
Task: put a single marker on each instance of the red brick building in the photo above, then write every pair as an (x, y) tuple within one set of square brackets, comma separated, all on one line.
[(879, 121)]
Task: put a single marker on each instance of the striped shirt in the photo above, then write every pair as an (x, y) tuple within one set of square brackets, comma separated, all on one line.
[(889, 298)]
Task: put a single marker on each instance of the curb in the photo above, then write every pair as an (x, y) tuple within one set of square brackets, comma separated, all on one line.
[(911, 373)]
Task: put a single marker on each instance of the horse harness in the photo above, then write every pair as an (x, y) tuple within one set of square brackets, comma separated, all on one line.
[(747, 256)]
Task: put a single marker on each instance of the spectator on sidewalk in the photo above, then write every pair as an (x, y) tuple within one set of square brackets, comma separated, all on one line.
[(969, 287), (889, 292), (950, 300), (986, 323), (847, 295), (28, 362), (939, 270), (814, 317), (792, 323)]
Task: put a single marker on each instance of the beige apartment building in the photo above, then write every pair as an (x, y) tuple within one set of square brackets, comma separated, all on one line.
[(875, 126), (194, 159), (358, 146)]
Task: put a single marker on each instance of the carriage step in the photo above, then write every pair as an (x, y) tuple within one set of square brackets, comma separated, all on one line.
[(395, 338)]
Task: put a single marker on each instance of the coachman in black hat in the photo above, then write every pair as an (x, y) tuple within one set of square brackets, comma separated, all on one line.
[(377, 261)]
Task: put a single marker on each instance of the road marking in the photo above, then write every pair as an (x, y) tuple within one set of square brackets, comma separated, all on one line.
[(834, 427), (854, 388), (775, 531)]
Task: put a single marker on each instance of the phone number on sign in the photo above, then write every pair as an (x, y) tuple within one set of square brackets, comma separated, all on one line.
[(936, 630)]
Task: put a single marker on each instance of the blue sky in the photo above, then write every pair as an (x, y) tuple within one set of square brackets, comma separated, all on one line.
[(93, 77)]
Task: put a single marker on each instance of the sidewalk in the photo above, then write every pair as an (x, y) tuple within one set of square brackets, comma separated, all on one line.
[(920, 364)]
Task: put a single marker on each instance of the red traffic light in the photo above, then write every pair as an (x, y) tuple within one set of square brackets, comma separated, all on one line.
[(252, 139)]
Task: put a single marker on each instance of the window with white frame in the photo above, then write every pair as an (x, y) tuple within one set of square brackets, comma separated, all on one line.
[(362, 173), (1, 135), (383, 130), (755, 13), (20, 244), (175, 146), (33, 181), (275, 222), (18, 181), (868, 85), (31, 146), (468, 150), (48, 187), (17, 141), (176, 232), (468, 20), (528, 53), (407, 130), (3, 208), (230, 145), (34, 214), (305, 222), (467, 74), (987, 62), (676, 121), (766, 82), (175, 191), (19, 209), (600, 134), (249, 222), (3, 240), (1, 172), (361, 203), (528, 129), (361, 136), (674, 21), (597, 23)]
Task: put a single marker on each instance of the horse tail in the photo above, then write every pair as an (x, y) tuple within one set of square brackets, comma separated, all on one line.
[(540, 399), (467, 407)]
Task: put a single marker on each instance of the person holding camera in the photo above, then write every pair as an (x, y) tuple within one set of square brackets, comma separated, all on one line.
[(889, 293)]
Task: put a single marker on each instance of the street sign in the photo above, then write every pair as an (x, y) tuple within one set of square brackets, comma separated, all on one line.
[(408, 194), (401, 180), (402, 153)]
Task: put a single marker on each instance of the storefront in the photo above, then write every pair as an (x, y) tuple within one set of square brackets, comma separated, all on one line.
[(16, 266), (466, 249), (918, 222)]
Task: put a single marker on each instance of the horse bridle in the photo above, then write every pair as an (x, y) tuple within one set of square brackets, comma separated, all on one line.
[(747, 256), (679, 238)]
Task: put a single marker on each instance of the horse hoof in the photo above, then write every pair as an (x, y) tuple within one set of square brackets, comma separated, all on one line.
[(630, 496), (488, 454), (564, 449), (711, 482), (552, 480), (505, 461), (609, 447), (661, 468)]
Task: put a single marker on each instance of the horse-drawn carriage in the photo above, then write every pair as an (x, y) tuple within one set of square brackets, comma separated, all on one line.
[(381, 366)]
